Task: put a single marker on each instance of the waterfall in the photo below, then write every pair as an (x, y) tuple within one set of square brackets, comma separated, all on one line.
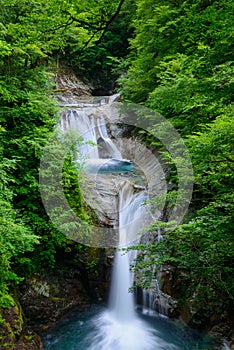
[(121, 301), (131, 212), (90, 128), (119, 328), (82, 124), (153, 298), (113, 150)]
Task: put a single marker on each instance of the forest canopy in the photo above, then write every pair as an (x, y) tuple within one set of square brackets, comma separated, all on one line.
[(181, 65), (175, 57)]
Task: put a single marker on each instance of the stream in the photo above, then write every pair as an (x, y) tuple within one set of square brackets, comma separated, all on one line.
[(93, 329), (120, 326)]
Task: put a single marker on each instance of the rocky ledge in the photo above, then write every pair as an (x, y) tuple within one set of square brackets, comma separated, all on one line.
[(14, 331)]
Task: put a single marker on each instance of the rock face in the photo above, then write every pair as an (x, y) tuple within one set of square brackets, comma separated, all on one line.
[(101, 190), (69, 88), (103, 197), (47, 297), (102, 194), (218, 322), (14, 332), (43, 299)]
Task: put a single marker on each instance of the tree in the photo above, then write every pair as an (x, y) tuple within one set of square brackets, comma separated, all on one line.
[(181, 60), (32, 34), (180, 65), (15, 237)]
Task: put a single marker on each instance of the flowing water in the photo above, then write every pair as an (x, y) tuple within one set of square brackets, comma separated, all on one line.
[(120, 326), (111, 147), (95, 329)]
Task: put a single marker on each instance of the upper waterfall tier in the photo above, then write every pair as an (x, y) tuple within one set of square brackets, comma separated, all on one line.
[(108, 155), (92, 129)]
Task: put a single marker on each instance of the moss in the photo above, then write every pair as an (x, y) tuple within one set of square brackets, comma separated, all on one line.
[(12, 327), (7, 346), (54, 289), (7, 336), (56, 299), (18, 322), (29, 337), (6, 301), (1, 318)]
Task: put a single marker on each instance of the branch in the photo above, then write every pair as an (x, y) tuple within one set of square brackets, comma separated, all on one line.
[(84, 23), (64, 25), (113, 17), (88, 41), (226, 158), (229, 159), (103, 24)]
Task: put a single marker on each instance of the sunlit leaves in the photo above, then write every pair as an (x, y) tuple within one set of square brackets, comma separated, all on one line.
[(181, 66)]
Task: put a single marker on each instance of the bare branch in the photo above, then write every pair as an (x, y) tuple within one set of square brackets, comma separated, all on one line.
[(113, 17)]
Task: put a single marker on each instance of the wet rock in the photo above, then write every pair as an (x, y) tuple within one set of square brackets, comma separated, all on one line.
[(222, 327), (14, 332), (81, 278), (69, 88), (46, 298), (103, 197)]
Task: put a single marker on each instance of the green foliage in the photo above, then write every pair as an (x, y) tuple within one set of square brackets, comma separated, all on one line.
[(202, 251), (71, 184), (181, 60), (6, 301), (212, 152), (87, 256), (190, 97), (99, 62), (15, 237), (32, 32), (180, 65)]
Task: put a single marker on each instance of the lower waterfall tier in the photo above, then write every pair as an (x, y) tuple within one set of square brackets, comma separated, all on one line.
[(95, 329)]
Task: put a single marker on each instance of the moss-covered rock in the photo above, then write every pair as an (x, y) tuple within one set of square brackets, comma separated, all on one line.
[(47, 297), (14, 333)]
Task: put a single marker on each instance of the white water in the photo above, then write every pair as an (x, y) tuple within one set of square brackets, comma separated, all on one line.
[(134, 335), (130, 212), (120, 328), (153, 298), (83, 123), (111, 147)]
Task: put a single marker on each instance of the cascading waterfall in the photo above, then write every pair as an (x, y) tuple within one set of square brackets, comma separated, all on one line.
[(90, 129), (131, 213), (113, 150), (153, 298), (87, 129), (120, 327)]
